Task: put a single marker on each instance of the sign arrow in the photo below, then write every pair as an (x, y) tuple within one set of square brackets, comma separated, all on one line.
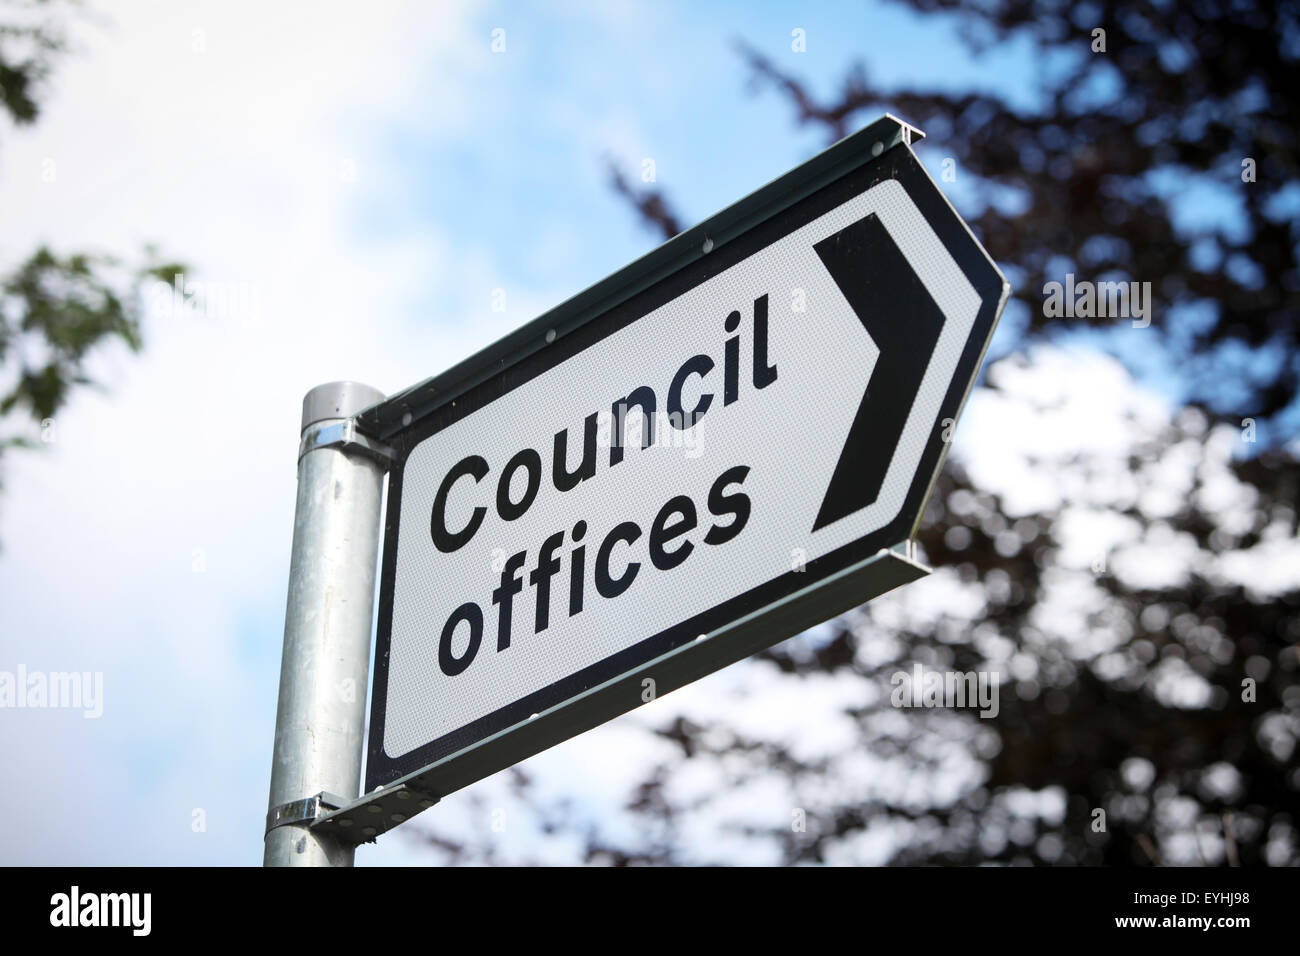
[(903, 320)]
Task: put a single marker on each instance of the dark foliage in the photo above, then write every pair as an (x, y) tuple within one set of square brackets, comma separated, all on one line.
[(1183, 93)]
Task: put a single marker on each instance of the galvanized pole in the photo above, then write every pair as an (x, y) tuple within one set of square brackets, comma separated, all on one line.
[(323, 673)]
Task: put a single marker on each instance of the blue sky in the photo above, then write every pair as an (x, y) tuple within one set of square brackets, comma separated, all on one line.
[(527, 177), (371, 174)]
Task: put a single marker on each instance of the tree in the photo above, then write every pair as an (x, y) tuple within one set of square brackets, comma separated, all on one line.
[(1145, 718), (55, 310)]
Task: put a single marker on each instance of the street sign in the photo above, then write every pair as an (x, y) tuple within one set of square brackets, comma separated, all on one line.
[(728, 441)]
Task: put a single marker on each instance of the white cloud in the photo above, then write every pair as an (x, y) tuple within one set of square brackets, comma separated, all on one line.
[(150, 541)]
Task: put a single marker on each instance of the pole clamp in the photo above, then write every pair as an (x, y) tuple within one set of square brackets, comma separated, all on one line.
[(343, 433), (301, 811), (364, 819)]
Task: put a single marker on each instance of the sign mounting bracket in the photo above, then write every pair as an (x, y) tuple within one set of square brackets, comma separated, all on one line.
[(362, 820), (346, 435)]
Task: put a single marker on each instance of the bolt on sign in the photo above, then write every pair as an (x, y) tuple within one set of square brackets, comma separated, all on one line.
[(728, 441)]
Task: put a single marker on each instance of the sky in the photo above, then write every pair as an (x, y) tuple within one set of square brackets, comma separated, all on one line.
[(357, 185)]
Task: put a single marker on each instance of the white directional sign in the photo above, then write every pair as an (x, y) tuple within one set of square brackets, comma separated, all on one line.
[(702, 455)]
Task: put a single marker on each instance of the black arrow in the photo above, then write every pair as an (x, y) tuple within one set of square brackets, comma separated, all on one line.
[(904, 322)]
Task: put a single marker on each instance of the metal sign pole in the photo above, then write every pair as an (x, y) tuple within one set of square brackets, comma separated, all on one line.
[(324, 671)]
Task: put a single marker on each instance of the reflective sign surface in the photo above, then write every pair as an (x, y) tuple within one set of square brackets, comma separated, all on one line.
[(764, 418)]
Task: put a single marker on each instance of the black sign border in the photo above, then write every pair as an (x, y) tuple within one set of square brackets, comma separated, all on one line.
[(897, 163)]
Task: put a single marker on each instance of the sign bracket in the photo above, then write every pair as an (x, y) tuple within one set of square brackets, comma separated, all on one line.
[(365, 818), (347, 437), (301, 811)]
